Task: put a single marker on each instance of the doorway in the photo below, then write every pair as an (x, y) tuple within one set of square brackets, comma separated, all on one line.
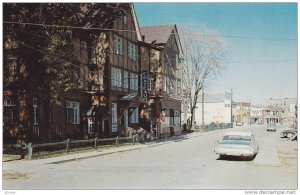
[(105, 128)]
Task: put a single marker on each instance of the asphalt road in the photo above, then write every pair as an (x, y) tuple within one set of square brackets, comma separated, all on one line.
[(182, 164)]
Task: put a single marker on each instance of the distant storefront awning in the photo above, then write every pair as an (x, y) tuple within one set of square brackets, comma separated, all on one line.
[(130, 100)]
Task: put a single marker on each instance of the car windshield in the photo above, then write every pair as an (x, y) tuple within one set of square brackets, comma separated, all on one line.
[(236, 138)]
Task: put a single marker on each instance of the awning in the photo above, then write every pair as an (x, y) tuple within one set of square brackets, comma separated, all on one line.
[(130, 100)]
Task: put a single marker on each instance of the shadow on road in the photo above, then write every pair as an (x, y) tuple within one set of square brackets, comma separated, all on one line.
[(236, 158)]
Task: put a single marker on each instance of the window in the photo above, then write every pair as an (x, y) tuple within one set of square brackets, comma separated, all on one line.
[(125, 82), (134, 115), (8, 113), (134, 80), (114, 118), (73, 116), (150, 83), (12, 67), (165, 83), (91, 126), (176, 60), (118, 46), (172, 87), (116, 78), (179, 88), (131, 51), (125, 19), (9, 102), (35, 105), (83, 45)]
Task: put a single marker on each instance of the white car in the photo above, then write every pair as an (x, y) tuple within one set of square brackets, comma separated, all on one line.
[(241, 144)]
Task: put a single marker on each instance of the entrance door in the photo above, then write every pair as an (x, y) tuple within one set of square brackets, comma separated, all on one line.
[(105, 128)]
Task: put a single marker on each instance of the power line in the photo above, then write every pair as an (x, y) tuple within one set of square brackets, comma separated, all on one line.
[(168, 59), (119, 30), (258, 61)]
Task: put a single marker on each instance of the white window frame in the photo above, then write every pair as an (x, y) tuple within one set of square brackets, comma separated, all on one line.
[(34, 105), (75, 107), (172, 86), (9, 102), (114, 117), (132, 51), (179, 87), (118, 45), (134, 115), (125, 80), (125, 19), (91, 125), (116, 77), (165, 83), (134, 81)]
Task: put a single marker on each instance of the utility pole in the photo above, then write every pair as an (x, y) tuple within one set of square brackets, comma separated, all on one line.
[(231, 114), (203, 126)]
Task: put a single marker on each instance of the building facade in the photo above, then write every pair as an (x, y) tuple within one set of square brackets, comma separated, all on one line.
[(123, 81), (160, 62), (272, 114), (217, 109), (242, 112), (256, 113), (289, 106)]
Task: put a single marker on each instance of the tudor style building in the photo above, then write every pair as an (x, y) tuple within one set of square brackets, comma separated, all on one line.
[(125, 80), (160, 61)]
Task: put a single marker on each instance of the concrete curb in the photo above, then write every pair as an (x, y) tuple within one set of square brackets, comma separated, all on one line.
[(137, 146)]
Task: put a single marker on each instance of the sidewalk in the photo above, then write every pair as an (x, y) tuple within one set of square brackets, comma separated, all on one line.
[(95, 153)]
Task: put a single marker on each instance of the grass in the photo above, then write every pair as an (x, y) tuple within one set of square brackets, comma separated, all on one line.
[(42, 154)]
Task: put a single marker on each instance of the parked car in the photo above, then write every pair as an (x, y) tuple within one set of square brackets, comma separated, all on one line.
[(289, 133), (239, 124), (241, 144), (271, 127)]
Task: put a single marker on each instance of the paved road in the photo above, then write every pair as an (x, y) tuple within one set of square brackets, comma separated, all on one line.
[(181, 164)]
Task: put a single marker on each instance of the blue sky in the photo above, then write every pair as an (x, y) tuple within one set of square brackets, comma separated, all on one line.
[(260, 41)]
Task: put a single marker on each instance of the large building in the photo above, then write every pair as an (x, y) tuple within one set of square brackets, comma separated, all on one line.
[(161, 54), (217, 109), (242, 112), (288, 106), (125, 80), (256, 114)]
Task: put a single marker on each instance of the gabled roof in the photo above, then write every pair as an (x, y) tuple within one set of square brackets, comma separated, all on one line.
[(159, 34), (136, 22), (273, 108)]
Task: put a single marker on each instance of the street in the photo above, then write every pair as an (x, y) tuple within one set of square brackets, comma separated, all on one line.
[(181, 164)]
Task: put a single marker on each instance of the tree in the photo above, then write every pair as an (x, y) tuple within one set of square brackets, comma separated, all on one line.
[(202, 50), (39, 35)]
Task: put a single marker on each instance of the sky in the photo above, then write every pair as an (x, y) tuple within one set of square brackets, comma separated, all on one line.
[(260, 44)]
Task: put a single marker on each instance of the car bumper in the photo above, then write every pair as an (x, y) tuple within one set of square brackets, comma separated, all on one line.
[(230, 152)]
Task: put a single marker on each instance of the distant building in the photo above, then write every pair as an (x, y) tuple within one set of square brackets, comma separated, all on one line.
[(272, 114), (256, 113), (289, 107), (217, 109), (242, 112)]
